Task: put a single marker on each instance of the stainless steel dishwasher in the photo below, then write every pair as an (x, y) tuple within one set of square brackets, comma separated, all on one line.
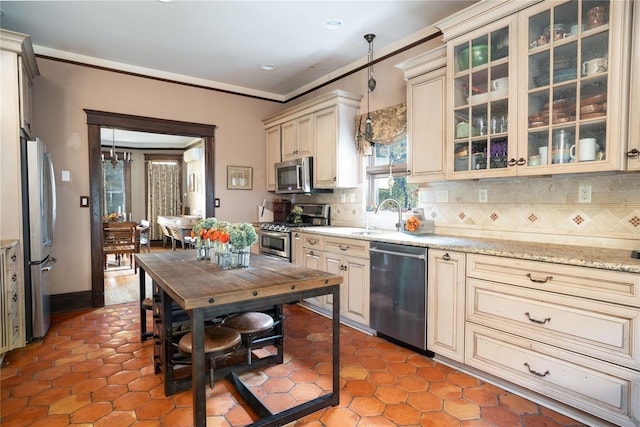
[(398, 293)]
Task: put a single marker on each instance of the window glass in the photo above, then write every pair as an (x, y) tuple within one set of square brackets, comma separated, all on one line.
[(114, 187), (392, 159)]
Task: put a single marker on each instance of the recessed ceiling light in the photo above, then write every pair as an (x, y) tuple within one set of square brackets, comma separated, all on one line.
[(267, 67), (333, 24)]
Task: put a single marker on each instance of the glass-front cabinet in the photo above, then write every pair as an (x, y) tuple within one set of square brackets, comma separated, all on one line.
[(542, 91), (483, 107)]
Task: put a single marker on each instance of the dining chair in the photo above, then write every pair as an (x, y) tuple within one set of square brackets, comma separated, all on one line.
[(143, 235)]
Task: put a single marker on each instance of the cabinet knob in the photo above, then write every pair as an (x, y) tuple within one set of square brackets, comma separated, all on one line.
[(633, 153), (14, 257), (521, 161), (311, 253), (512, 162), (344, 247), (446, 257)]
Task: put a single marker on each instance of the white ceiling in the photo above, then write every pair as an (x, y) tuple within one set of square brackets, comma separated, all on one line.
[(133, 139), (222, 44)]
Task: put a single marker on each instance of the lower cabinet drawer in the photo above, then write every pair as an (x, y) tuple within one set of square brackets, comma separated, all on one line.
[(598, 329), (605, 390)]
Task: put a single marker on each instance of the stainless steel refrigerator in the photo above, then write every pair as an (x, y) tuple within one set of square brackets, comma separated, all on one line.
[(39, 217)]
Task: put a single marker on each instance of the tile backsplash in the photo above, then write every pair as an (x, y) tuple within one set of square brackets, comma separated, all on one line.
[(541, 209)]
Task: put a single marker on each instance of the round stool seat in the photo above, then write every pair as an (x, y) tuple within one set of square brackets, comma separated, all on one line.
[(215, 339), (249, 323), (147, 304)]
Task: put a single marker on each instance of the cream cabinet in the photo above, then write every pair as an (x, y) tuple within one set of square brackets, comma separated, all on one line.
[(336, 164), (297, 138), (567, 332), (348, 258), (563, 111), (322, 128), (12, 328), (273, 155), (446, 303), (426, 104), (633, 150)]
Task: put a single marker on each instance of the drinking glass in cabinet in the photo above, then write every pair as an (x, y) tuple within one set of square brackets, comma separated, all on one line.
[(563, 139)]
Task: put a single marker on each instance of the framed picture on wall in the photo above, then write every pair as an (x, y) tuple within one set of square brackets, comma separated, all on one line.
[(239, 177)]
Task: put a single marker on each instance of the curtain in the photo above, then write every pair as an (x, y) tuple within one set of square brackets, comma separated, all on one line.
[(389, 126), (163, 190)]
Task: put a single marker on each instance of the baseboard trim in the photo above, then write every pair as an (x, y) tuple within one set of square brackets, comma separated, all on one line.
[(72, 301)]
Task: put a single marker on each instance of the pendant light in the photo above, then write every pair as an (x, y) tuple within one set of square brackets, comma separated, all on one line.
[(113, 156), (371, 86)]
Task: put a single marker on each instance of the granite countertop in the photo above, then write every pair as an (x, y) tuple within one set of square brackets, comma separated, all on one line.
[(585, 256)]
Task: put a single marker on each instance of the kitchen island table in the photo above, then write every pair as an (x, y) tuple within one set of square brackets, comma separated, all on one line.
[(205, 292)]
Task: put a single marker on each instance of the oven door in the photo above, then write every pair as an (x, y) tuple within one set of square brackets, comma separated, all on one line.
[(275, 243)]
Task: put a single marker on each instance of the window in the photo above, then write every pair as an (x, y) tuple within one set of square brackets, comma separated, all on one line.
[(378, 175), (116, 184)]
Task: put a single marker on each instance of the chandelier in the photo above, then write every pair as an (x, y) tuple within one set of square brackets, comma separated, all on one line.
[(113, 156)]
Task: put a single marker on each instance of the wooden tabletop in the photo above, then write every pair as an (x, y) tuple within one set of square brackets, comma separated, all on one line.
[(199, 284)]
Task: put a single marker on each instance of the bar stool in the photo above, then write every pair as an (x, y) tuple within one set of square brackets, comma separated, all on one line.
[(250, 325), (218, 341)]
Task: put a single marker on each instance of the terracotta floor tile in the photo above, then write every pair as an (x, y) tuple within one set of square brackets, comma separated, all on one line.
[(154, 409), (445, 390), (92, 369), (367, 406), (359, 388), (391, 394), (70, 404), (130, 401), (480, 396), (462, 409), (425, 401), (402, 414), (518, 405), (91, 413)]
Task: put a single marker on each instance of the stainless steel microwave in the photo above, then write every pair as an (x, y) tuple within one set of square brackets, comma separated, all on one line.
[(294, 176)]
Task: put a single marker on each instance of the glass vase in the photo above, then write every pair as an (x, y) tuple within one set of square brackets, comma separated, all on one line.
[(240, 257), (223, 255), (203, 250)]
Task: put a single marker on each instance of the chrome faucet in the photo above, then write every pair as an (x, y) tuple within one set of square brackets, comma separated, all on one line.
[(397, 203)]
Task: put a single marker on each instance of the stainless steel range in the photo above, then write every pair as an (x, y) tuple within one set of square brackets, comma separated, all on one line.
[(275, 237)]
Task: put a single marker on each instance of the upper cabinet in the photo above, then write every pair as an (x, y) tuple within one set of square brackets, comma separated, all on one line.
[(322, 128), (633, 150), (537, 90), (19, 64), (273, 155), (297, 138), (426, 104)]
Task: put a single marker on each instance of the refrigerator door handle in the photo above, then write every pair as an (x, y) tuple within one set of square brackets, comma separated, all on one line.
[(48, 266)]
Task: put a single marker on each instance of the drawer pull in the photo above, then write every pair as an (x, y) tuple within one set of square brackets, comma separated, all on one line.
[(535, 372), (344, 247), (446, 257), (312, 242), (533, 279), (541, 322)]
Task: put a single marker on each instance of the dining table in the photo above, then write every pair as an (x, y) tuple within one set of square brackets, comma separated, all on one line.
[(204, 291)]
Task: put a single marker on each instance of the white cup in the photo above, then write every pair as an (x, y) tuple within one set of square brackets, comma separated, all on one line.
[(543, 151), (500, 84), (587, 148), (597, 65)]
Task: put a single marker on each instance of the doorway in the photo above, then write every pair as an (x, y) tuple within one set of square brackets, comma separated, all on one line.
[(98, 119)]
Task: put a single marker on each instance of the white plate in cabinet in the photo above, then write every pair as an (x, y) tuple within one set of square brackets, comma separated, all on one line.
[(605, 285), (606, 331), (605, 390)]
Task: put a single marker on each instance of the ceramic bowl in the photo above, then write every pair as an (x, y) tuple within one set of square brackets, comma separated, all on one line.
[(479, 56)]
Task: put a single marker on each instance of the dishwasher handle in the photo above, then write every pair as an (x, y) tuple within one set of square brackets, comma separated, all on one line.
[(380, 251)]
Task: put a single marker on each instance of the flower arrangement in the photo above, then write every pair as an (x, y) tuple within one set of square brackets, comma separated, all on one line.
[(242, 235), (412, 224), (225, 238), (297, 211)]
